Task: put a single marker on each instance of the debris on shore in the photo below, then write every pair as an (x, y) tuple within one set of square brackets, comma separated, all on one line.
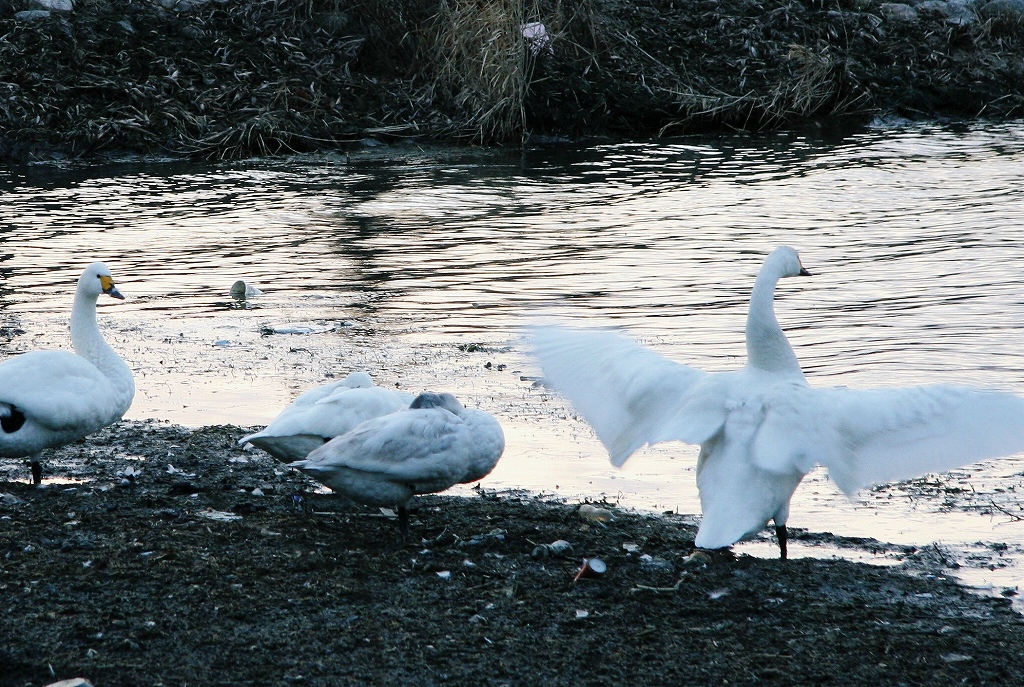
[(216, 565)]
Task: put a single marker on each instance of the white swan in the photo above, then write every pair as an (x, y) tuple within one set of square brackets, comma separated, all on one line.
[(318, 415), (434, 444), (51, 398), (762, 428)]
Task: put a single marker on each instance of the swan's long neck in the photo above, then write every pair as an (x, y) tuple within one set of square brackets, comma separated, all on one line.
[(767, 346), (90, 344)]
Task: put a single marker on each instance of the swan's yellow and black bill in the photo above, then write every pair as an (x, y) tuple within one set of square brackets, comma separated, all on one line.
[(107, 284)]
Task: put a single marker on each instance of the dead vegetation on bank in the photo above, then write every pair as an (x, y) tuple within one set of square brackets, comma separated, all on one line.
[(256, 77)]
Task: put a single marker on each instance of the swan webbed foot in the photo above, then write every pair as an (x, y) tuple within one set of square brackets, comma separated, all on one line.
[(37, 472), (782, 534)]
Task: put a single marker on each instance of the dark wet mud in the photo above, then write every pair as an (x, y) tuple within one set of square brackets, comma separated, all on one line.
[(159, 555)]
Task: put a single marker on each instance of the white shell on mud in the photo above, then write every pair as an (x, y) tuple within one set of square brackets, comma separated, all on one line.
[(595, 515), (219, 515), (697, 559)]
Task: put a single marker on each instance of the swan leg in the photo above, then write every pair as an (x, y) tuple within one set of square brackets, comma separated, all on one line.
[(782, 534), (37, 470), (403, 520)]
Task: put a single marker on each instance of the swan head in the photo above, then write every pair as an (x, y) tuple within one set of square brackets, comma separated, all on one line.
[(785, 262), (432, 399), (96, 280)]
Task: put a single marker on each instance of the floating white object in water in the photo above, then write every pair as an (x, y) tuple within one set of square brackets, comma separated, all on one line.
[(242, 290), (298, 328), (762, 428)]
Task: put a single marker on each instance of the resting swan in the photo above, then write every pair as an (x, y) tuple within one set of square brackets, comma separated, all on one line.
[(435, 444), (318, 415), (51, 398), (762, 428)]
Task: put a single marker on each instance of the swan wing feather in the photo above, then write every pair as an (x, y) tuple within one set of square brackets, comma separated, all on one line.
[(415, 446), (630, 395), (871, 436), (334, 414), (58, 390)]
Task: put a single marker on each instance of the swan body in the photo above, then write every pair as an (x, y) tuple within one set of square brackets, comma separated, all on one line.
[(50, 398), (318, 415), (435, 444), (761, 428)]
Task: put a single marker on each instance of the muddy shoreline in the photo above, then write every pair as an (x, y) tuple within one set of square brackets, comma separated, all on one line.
[(215, 566), (216, 80)]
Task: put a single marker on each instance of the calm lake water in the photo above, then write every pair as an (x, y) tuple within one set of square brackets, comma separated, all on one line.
[(423, 265)]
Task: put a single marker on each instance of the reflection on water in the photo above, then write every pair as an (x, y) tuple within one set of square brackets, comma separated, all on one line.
[(423, 266)]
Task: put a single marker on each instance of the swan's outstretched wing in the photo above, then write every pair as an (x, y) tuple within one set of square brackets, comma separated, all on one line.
[(630, 395), (871, 436)]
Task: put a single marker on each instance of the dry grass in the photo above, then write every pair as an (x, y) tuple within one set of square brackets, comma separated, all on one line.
[(259, 77), (819, 87), (483, 64)]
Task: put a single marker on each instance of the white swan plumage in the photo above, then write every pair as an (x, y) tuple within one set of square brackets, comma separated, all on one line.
[(434, 444), (50, 398), (318, 415), (761, 428)]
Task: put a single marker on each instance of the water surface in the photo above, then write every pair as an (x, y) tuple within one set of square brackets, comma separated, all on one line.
[(422, 266)]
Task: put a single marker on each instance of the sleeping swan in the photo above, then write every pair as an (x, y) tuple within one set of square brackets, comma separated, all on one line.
[(762, 428), (318, 415), (51, 398), (435, 444)]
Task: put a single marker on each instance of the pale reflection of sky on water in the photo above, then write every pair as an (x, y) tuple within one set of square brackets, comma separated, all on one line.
[(915, 236)]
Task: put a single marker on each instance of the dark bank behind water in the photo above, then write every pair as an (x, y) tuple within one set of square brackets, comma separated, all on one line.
[(235, 79)]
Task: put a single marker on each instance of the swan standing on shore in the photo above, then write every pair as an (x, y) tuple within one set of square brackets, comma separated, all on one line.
[(762, 428), (435, 444), (318, 415), (51, 398)]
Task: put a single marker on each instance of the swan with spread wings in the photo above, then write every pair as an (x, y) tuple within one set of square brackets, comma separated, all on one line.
[(761, 428)]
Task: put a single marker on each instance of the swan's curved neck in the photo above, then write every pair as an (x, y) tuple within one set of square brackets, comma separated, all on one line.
[(767, 346), (89, 343)]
